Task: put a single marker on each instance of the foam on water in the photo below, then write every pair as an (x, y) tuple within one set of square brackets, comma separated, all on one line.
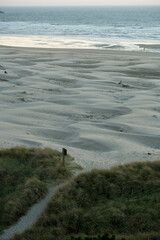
[(80, 27)]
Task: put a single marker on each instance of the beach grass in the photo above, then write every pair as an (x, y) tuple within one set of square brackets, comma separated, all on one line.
[(24, 176), (123, 201)]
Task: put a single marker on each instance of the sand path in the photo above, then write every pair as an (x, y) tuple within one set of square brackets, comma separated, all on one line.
[(30, 218)]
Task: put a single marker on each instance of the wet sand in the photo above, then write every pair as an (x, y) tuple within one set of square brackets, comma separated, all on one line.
[(102, 105)]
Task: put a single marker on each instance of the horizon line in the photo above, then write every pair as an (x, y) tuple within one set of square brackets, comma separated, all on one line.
[(148, 5)]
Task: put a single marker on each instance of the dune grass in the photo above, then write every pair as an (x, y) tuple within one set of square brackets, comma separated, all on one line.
[(123, 201), (24, 175), (105, 236), (99, 237)]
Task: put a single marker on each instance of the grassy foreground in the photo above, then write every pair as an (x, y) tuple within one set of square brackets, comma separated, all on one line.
[(124, 201), (24, 175)]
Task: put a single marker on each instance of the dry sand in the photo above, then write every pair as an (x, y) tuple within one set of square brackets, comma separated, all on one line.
[(102, 105)]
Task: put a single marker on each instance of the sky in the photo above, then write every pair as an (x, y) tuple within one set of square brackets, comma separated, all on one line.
[(78, 2)]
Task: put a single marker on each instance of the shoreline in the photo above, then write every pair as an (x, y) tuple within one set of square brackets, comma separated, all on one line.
[(100, 50), (49, 42), (102, 105)]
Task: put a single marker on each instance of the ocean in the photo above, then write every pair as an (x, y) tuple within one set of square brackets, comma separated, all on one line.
[(81, 27)]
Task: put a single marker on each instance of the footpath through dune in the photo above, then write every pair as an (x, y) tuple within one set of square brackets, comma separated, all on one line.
[(30, 218)]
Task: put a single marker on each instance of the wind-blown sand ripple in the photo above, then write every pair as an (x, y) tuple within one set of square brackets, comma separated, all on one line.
[(102, 105)]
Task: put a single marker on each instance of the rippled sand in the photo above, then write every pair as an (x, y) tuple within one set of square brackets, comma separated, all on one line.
[(103, 106)]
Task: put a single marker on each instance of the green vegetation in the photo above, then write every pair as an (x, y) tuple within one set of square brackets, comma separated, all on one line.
[(124, 201), (102, 237), (24, 175), (140, 236)]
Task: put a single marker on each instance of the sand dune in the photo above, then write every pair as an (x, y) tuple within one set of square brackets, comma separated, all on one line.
[(103, 105)]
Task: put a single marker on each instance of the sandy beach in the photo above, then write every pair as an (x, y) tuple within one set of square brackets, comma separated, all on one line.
[(102, 105)]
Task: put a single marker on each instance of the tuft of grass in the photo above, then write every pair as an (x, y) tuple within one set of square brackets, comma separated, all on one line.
[(24, 175), (22, 99), (102, 237), (124, 201), (140, 236)]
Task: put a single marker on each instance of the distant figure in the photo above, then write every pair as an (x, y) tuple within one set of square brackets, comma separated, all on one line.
[(5, 72)]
